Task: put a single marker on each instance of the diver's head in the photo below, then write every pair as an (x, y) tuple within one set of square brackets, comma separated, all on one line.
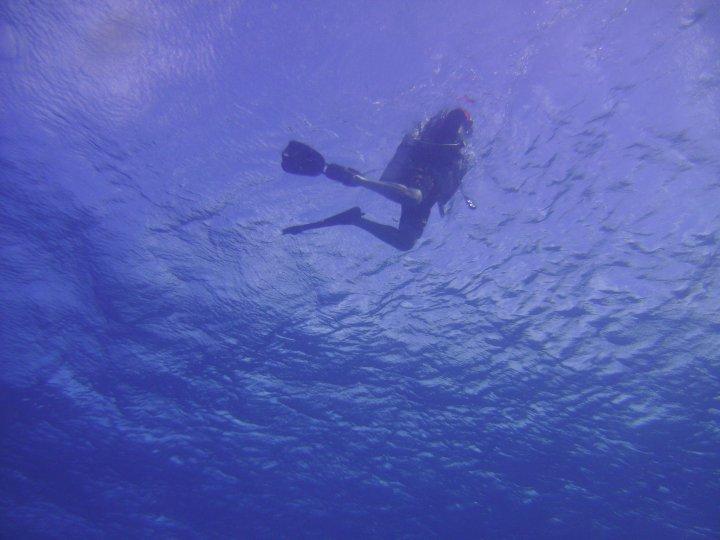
[(450, 127), (460, 121)]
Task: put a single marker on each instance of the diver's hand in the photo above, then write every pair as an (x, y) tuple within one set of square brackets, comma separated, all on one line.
[(345, 175)]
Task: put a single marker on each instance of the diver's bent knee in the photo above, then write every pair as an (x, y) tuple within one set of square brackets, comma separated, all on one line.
[(406, 243)]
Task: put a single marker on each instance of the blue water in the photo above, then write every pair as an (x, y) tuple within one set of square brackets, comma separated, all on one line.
[(546, 366)]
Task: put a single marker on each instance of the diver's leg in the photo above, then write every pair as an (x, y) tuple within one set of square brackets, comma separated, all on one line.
[(402, 238), (392, 191), (395, 192), (348, 217)]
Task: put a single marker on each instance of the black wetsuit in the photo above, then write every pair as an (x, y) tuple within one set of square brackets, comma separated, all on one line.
[(436, 169)]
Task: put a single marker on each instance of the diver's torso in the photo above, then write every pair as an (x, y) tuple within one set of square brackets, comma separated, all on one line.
[(436, 170)]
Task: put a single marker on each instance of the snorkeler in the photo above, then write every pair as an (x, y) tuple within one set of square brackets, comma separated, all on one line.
[(427, 169)]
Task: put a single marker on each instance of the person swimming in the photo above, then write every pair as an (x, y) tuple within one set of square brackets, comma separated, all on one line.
[(427, 169)]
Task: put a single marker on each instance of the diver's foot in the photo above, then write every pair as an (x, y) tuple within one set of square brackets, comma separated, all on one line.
[(345, 175), (348, 217)]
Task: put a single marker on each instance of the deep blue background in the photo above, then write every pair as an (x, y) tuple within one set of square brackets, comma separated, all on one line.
[(544, 366)]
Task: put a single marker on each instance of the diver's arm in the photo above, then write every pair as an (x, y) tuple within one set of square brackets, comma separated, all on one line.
[(395, 192), (454, 182), (468, 163)]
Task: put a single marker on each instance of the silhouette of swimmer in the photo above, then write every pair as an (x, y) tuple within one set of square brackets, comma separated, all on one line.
[(427, 169)]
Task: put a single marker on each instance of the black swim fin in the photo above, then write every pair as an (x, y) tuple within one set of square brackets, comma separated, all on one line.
[(348, 217), (299, 158)]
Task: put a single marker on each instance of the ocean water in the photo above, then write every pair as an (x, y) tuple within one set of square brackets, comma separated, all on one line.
[(545, 366)]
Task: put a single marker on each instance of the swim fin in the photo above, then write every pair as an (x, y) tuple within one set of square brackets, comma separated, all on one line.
[(299, 158), (348, 217)]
